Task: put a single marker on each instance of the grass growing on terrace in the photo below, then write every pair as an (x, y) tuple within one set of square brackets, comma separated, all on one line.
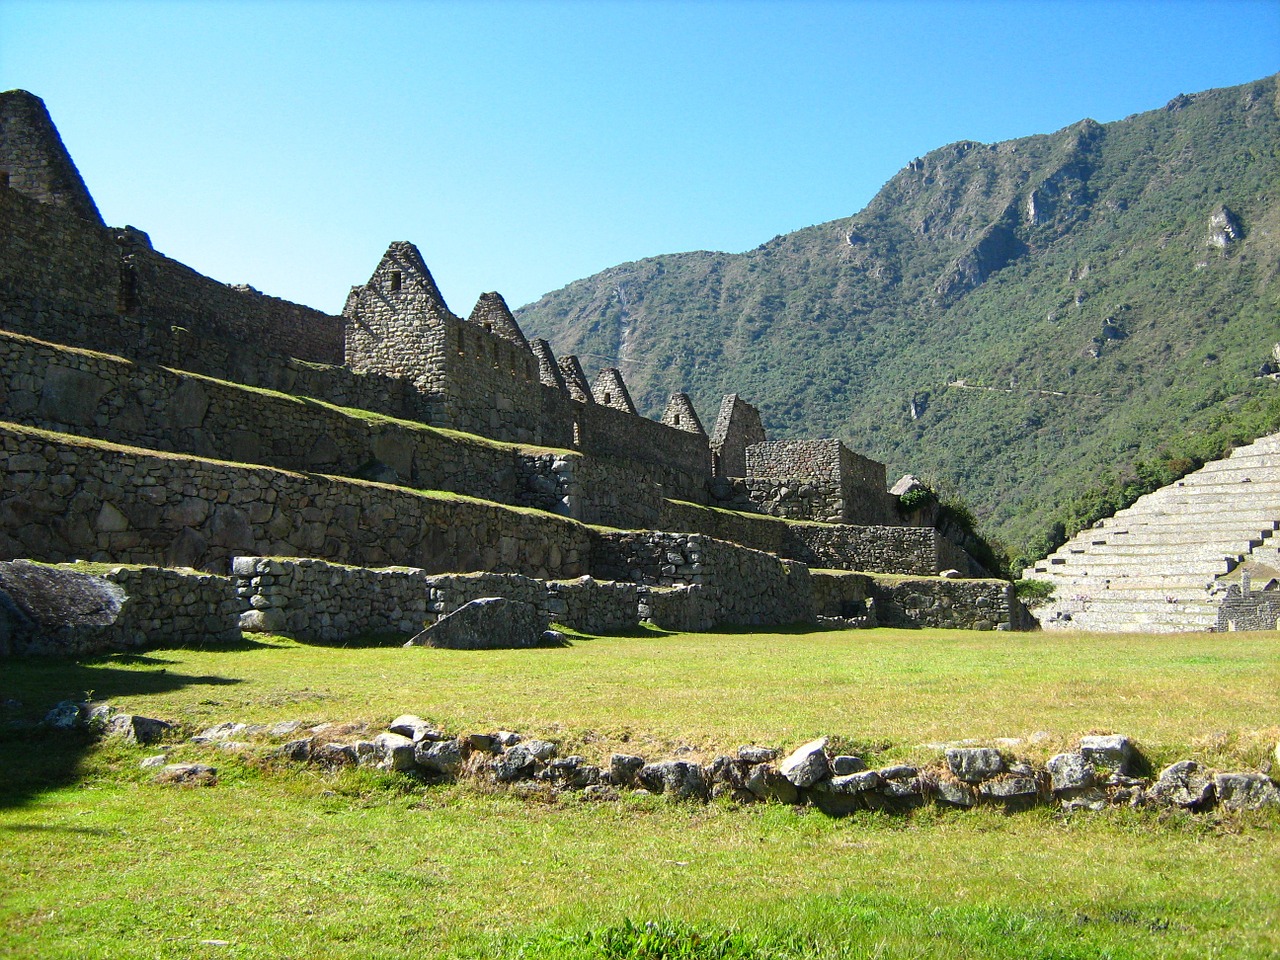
[(286, 861), (715, 691)]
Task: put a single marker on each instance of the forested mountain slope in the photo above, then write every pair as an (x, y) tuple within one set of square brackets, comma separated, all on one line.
[(1032, 324)]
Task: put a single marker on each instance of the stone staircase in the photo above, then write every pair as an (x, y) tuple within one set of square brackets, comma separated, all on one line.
[(1158, 565)]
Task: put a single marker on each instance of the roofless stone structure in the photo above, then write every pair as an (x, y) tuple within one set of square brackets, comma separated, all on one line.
[(136, 431)]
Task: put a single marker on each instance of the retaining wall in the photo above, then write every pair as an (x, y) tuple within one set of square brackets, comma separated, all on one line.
[(65, 499), (332, 603), (109, 398), (916, 551), (732, 585)]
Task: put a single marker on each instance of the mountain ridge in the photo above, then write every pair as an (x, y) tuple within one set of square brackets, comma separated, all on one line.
[(1073, 276)]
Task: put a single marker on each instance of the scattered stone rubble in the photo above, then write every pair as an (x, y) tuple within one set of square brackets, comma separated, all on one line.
[(1103, 771)]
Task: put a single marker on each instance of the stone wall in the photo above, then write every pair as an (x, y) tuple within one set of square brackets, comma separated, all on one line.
[(945, 604), (737, 427), (323, 602), (158, 607), (65, 499), (918, 551), (167, 292), (60, 275), (1244, 608), (55, 268), (93, 394), (816, 480), (735, 585), (842, 595)]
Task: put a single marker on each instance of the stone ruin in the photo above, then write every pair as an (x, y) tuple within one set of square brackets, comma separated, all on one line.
[(156, 421)]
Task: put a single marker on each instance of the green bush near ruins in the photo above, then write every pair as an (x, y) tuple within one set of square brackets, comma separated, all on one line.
[(287, 860)]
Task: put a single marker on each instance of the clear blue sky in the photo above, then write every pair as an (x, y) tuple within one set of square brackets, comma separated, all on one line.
[(523, 145)]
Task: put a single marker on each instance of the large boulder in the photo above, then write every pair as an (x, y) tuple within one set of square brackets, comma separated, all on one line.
[(623, 768), (38, 602), (1111, 752), (442, 757), (676, 778), (135, 729), (1184, 784), (844, 794), (490, 623), (1070, 771)]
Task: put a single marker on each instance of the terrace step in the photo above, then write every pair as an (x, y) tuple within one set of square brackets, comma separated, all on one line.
[(1151, 565)]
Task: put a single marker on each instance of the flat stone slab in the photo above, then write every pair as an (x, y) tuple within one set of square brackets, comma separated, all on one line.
[(490, 623)]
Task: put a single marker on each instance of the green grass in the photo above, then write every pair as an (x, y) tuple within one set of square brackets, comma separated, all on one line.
[(288, 861), (715, 691)]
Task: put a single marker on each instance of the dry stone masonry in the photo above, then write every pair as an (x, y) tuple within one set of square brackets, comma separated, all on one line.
[(1102, 771), (373, 472), (1181, 558)]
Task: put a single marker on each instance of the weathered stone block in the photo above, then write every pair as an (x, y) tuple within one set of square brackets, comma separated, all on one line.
[(1245, 791), (974, 764), (807, 764), (489, 623)]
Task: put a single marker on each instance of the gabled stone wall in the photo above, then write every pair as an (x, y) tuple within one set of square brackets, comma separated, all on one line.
[(737, 426), (34, 161)]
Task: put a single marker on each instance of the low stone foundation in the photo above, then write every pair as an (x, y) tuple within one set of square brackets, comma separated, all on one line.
[(323, 602), (1100, 772)]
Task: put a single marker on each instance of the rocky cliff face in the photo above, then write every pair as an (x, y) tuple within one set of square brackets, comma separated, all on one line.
[(995, 266)]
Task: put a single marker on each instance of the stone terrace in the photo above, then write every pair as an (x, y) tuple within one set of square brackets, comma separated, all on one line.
[(153, 416), (1162, 564)]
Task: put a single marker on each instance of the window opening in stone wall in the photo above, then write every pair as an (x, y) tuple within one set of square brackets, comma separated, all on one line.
[(676, 422), (4, 178), (488, 326), (395, 281), (608, 398), (127, 293)]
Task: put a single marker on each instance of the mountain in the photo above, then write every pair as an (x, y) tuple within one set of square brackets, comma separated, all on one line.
[(1042, 326)]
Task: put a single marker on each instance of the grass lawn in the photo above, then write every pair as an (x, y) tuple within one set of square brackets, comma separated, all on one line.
[(291, 862)]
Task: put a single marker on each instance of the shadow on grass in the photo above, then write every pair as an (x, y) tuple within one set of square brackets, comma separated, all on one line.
[(34, 760)]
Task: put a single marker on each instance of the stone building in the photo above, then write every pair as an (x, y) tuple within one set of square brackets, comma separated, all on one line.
[(137, 430)]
